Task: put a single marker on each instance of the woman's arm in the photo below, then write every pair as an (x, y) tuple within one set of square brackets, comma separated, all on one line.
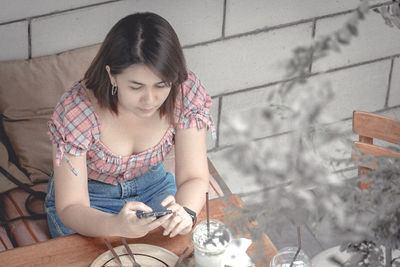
[(73, 206), (191, 168), (191, 175)]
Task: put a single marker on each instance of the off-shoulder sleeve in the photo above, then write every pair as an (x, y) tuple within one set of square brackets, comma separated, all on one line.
[(72, 128), (193, 106)]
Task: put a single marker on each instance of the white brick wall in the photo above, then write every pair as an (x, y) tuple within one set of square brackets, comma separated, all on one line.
[(375, 40), (250, 55), (394, 97), (362, 88), (57, 33), (250, 104), (14, 41), (244, 16), (20, 9), (61, 32), (246, 61)]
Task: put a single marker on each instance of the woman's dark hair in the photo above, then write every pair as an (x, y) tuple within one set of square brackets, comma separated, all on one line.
[(144, 38)]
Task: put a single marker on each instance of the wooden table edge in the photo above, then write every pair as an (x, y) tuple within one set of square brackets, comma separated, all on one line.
[(87, 249)]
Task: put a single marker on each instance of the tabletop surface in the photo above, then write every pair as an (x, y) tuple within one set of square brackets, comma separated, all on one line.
[(76, 250)]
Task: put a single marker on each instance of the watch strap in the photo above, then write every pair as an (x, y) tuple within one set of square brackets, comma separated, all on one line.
[(192, 214)]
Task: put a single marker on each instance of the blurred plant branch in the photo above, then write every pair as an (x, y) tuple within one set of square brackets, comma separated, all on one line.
[(295, 177), (390, 13)]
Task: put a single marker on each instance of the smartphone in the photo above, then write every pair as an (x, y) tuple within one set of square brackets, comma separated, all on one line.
[(157, 214)]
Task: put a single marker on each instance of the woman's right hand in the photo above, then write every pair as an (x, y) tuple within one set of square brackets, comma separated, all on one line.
[(130, 226)]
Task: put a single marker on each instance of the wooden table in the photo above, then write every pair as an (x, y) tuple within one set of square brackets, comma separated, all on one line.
[(76, 250)]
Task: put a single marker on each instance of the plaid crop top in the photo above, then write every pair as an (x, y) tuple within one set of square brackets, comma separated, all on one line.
[(75, 129)]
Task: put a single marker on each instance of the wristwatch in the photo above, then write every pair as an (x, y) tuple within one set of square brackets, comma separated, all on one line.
[(192, 214)]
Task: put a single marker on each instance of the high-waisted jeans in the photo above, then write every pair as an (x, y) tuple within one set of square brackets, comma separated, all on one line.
[(150, 188)]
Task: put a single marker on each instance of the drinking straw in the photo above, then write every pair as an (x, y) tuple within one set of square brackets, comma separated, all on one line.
[(298, 245), (208, 216)]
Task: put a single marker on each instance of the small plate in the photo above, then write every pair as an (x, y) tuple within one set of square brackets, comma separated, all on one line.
[(145, 255)]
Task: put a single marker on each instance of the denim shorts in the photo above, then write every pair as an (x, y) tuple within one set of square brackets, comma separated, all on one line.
[(150, 188)]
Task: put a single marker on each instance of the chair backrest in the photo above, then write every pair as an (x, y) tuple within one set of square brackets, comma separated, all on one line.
[(371, 126)]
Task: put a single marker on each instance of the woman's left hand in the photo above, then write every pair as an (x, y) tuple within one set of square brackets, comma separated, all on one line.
[(180, 223)]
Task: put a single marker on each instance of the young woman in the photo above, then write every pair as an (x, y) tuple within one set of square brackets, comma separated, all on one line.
[(112, 130)]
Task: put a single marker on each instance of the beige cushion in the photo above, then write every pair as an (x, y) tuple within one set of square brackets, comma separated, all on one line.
[(31, 144), (5, 184), (32, 87), (29, 91)]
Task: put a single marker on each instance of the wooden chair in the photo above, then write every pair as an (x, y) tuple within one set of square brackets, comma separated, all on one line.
[(371, 126)]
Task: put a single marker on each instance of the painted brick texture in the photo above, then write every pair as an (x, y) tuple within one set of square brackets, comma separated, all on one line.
[(363, 88), (14, 41), (242, 65), (245, 16), (375, 40), (394, 97), (20, 9), (248, 61), (78, 28), (249, 104)]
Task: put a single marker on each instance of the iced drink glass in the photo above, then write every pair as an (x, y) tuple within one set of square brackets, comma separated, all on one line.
[(285, 256), (209, 251)]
